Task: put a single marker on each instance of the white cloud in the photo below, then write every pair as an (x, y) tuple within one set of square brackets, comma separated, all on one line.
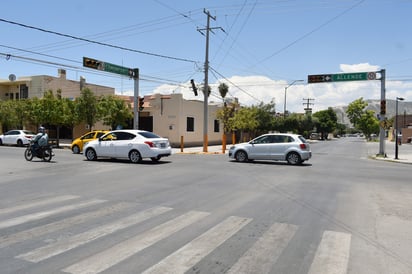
[(362, 67)]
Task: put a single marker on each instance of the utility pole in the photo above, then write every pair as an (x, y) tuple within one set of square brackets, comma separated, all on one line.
[(206, 85), (308, 103)]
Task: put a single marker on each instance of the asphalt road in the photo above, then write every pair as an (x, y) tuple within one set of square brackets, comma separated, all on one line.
[(340, 212)]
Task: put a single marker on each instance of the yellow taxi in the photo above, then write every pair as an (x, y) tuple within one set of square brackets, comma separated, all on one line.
[(78, 143)]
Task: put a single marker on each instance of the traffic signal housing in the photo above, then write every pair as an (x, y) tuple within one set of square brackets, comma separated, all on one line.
[(383, 107), (141, 103), (194, 87), (91, 63)]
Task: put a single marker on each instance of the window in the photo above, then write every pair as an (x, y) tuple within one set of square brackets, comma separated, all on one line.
[(216, 126), (190, 124)]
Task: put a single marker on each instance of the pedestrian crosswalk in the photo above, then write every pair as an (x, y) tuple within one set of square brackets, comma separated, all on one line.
[(25, 228)]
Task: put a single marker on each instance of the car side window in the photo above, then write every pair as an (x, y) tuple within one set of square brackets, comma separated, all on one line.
[(88, 136), (109, 137), (99, 134), (124, 136)]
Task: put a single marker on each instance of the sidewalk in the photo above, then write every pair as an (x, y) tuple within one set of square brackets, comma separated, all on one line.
[(404, 152), (217, 149)]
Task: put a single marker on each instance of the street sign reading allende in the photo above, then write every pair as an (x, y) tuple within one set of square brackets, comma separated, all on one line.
[(105, 66), (357, 76)]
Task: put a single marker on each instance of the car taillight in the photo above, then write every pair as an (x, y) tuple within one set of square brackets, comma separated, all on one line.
[(28, 137), (303, 146), (150, 144)]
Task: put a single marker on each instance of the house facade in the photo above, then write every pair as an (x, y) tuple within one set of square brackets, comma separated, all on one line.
[(169, 116)]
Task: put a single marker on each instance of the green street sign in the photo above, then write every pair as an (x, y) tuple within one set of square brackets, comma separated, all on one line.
[(118, 69), (340, 77), (108, 67)]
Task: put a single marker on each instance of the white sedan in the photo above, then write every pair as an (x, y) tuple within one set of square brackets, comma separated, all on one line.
[(128, 144), (16, 137)]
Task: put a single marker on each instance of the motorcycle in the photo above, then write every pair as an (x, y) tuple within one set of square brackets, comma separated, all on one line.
[(45, 153)]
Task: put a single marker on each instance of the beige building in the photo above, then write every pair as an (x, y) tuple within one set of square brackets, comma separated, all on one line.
[(169, 116), (35, 86), (178, 119)]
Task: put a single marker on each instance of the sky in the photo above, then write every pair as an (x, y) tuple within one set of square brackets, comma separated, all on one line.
[(259, 48)]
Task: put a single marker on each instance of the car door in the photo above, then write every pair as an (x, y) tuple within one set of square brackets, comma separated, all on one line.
[(10, 137), (280, 146), (260, 148), (106, 146), (123, 144)]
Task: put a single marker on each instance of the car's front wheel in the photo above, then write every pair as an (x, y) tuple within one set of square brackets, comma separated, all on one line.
[(135, 157), (241, 156), (76, 149), (293, 158), (91, 154)]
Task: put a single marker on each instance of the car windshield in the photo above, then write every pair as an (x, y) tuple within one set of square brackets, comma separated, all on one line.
[(149, 135), (28, 132)]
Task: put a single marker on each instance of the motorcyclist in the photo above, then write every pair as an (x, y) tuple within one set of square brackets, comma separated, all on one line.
[(40, 140)]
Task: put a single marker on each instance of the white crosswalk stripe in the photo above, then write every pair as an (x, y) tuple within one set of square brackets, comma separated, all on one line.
[(187, 256), (264, 253), (59, 225), (331, 257), (44, 214), (59, 247), (41, 202), (120, 252)]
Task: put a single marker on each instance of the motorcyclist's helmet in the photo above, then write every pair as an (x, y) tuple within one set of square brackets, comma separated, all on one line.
[(42, 129)]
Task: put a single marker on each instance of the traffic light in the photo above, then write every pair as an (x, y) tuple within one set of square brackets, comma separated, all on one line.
[(141, 103), (91, 63), (383, 107), (194, 87)]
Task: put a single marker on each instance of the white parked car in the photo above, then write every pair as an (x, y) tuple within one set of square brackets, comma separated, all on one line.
[(16, 137), (277, 146), (128, 144)]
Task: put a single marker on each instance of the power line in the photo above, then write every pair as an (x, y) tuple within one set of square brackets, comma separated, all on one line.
[(98, 43)]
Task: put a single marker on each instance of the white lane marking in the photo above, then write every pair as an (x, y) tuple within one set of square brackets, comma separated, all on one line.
[(44, 214), (21, 236), (108, 258), (186, 257), (59, 247), (38, 203), (264, 253), (332, 255)]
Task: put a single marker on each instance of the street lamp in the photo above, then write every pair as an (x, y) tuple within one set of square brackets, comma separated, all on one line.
[(396, 126), (286, 88)]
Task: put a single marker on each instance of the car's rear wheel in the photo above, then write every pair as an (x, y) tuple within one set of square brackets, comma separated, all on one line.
[(76, 149), (91, 154), (19, 143), (135, 157), (241, 156), (293, 158)]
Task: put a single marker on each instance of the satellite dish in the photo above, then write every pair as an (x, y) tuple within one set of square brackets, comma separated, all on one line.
[(12, 77)]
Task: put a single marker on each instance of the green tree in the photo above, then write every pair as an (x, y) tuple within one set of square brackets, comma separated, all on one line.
[(326, 121), (355, 111), (87, 107), (8, 115), (245, 120), (115, 111), (368, 123)]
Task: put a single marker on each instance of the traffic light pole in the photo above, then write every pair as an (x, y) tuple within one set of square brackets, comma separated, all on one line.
[(382, 132), (136, 99)]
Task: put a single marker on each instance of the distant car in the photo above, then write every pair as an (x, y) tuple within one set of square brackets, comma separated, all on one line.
[(16, 137), (128, 144), (78, 143), (274, 146)]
